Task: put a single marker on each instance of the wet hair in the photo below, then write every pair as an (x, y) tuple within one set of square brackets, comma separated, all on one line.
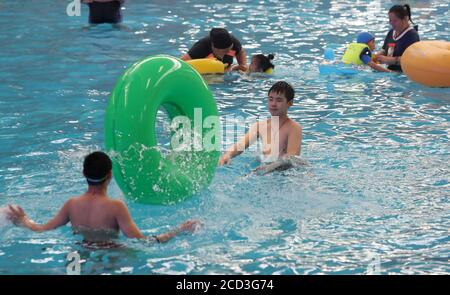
[(96, 167), (264, 62), (220, 38), (283, 88), (401, 11)]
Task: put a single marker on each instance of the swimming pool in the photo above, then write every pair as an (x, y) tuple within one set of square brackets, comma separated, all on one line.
[(374, 198)]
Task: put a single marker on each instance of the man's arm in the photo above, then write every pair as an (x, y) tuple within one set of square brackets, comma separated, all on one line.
[(188, 226), (249, 138), (126, 223), (130, 229), (185, 57), (241, 58), (17, 216), (294, 143)]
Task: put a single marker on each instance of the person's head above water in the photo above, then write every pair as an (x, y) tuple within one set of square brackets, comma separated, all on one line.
[(366, 38), (221, 42), (281, 98), (261, 63), (97, 168), (400, 16)]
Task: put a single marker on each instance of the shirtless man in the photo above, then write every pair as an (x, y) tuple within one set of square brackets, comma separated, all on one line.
[(281, 137), (94, 214)]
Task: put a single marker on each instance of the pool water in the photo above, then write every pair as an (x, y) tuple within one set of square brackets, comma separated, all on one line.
[(374, 197)]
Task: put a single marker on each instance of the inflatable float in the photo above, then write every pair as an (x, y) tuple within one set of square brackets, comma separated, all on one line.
[(207, 65), (428, 63), (140, 169)]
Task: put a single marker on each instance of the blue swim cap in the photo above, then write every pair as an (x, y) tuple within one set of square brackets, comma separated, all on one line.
[(364, 37)]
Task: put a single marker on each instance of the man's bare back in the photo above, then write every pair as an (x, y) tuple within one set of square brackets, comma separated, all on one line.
[(95, 215)]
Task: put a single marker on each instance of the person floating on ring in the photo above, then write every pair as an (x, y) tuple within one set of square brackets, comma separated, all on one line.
[(220, 44)]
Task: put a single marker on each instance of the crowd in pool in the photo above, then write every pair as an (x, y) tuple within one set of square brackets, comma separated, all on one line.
[(100, 219)]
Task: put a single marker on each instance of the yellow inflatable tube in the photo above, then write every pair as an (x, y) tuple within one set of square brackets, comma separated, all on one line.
[(428, 63), (207, 65)]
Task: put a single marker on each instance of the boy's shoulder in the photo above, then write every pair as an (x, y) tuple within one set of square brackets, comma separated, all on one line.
[(83, 198), (295, 124)]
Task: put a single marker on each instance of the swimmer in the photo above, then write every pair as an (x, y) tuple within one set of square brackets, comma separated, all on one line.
[(259, 64), (220, 44), (360, 53), (94, 215), (104, 11), (281, 136)]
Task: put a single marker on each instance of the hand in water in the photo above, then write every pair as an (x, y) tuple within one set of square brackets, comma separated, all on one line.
[(190, 225), (260, 170), (16, 215), (224, 160)]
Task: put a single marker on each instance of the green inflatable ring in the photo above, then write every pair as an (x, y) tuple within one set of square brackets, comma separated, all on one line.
[(140, 169)]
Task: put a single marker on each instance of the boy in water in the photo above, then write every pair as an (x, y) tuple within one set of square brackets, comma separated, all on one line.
[(281, 136), (94, 215)]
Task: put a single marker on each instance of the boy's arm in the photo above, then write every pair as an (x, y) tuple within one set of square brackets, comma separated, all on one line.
[(126, 223), (17, 216), (129, 228), (249, 138), (188, 226), (294, 143)]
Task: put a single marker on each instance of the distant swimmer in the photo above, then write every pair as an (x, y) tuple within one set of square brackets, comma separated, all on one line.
[(260, 63)]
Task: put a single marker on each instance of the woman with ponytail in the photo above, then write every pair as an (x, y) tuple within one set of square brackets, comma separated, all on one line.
[(400, 37)]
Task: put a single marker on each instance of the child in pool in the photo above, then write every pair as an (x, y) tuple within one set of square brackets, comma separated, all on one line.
[(259, 64), (94, 215), (281, 136), (360, 53)]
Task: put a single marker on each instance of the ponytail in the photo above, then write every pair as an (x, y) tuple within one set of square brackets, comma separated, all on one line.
[(401, 11), (408, 11)]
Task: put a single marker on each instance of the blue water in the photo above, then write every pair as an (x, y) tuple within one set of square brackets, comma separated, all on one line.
[(376, 188)]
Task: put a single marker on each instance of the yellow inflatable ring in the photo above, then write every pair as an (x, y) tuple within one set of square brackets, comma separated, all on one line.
[(207, 66), (428, 63)]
